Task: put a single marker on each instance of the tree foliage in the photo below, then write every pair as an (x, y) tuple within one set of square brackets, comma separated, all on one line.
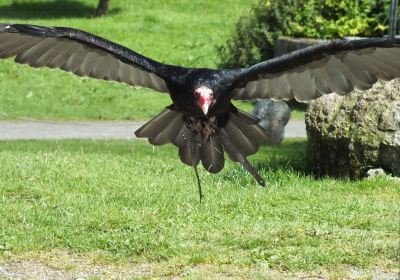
[(256, 32)]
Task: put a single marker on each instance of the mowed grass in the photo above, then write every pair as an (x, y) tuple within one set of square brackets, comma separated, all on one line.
[(133, 202), (181, 32)]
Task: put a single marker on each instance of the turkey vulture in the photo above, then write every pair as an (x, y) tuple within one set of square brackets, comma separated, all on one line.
[(201, 121)]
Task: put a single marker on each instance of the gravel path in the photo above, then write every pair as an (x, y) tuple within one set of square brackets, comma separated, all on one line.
[(78, 268), (16, 130)]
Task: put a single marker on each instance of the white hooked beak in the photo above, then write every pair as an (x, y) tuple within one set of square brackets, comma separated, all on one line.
[(204, 108)]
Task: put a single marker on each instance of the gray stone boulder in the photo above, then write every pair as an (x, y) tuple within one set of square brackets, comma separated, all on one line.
[(273, 115), (347, 136)]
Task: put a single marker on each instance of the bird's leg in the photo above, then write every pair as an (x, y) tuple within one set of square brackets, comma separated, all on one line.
[(198, 182), (195, 161), (230, 148)]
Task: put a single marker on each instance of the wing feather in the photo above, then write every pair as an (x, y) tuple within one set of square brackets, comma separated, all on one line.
[(321, 82), (46, 56), (391, 70), (339, 80), (9, 45), (338, 66), (366, 70), (81, 53), (88, 63), (74, 61), (359, 75), (59, 57), (301, 83), (280, 87)]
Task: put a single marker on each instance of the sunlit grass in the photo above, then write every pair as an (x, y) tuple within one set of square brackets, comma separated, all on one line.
[(135, 202)]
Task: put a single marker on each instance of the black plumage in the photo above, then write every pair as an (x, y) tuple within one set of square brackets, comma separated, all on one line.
[(202, 122)]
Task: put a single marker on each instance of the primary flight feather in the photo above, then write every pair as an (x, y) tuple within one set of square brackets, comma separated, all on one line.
[(201, 121)]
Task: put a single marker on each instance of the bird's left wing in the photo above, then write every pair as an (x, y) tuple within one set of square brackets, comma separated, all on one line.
[(337, 66), (81, 53)]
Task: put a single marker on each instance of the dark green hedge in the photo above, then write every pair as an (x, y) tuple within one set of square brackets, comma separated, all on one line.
[(256, 32)]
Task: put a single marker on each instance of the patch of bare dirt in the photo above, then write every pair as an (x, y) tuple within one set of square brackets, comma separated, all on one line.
[(66, 266)]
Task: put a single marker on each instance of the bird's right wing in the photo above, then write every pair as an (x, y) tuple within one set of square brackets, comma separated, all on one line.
[(81, 53)]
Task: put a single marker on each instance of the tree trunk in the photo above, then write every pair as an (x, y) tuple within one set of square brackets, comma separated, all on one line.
[(102, 8)]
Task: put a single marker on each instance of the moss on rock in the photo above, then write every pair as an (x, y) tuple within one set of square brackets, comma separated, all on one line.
[(350, 135)]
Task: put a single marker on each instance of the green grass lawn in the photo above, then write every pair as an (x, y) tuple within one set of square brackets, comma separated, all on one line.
[(133, 202), (181, 32)]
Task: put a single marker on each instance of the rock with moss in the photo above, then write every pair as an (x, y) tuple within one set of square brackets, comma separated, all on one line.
[(347, 136)]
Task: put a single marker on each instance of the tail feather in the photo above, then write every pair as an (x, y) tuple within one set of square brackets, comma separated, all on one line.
[(163, 128), (212, 154), (246, 117), (244, 132), (169, 133), (183, 135), (235, 155), (189, 152), (243, 143), (169, 127), (251, 130)]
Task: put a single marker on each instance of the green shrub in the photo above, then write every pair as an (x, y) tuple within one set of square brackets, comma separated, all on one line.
[(256, 32)]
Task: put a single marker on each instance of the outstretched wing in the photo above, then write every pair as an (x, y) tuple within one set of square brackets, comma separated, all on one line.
[(337, 66), (81, 53)]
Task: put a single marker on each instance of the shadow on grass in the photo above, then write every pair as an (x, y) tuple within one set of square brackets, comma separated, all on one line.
[(289, 157), (48, 9)]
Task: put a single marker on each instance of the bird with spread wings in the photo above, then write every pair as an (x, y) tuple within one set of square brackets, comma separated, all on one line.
[(202, 121)]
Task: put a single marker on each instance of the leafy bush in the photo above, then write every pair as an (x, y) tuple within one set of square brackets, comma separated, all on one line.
[(256, 33)]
